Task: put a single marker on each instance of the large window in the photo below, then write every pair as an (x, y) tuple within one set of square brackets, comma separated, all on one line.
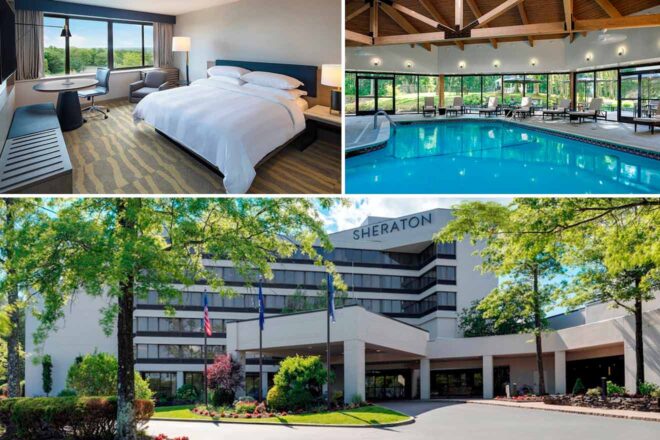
[(513, 89), (406, 93), (606, 88), (536, 88), (428, 87), (584, 88), (492, 87), (452, 89), (92, 45), (350, 91), (472, 91), (559, 87)]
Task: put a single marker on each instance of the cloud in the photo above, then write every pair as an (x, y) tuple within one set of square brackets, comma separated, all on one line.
[(340, 218)]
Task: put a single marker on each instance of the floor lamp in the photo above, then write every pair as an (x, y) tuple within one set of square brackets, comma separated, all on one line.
[(182, 44)]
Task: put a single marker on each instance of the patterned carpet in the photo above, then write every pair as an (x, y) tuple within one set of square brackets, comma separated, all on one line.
[(115, 156)]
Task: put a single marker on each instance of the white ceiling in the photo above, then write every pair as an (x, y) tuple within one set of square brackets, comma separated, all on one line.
[(168, 7)]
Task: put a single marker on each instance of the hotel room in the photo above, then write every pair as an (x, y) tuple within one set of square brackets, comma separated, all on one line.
[(170, 96)]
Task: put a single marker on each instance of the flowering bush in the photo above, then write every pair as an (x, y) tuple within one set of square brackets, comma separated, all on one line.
[(224, 378), (245, 407), (164, 437)]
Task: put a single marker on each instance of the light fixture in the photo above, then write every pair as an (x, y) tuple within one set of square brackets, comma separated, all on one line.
[(409, 64), (589, 56), (496, 64), (331, 76), (183, 44), (533, 62), (376, 62), (621, 51), (461, 65), (66, 32)]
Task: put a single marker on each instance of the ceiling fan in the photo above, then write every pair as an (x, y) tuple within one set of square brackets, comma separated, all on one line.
[(605, 38)]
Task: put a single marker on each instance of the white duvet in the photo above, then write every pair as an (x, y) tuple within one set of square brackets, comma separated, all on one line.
[(230, 126)]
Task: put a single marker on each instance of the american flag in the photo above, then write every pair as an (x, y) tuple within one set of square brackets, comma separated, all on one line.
[(207, 321)]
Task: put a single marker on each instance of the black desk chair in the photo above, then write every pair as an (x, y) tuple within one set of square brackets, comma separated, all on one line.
[(102, 88)]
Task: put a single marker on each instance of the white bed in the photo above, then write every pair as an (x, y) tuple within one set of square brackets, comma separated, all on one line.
[(231, 127)]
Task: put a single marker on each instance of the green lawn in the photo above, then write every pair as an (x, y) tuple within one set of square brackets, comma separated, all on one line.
[(368, 415)]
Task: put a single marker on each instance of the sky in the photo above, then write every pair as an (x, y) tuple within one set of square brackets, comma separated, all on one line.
[(94, 34), (340, 218)]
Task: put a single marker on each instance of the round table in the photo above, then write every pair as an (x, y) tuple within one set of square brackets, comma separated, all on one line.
[(68, 104)]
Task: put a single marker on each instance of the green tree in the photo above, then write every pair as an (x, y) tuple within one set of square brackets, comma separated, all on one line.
[(47, 374), (124, 248), (20, 229), (613, 243), (96, 375), (525, 263), (473, 322)]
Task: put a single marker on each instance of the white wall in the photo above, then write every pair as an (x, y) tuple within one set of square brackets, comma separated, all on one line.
[(642, 45), (279, 31)]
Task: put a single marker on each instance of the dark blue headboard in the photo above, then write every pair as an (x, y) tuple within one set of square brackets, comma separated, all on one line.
[(305, 74)]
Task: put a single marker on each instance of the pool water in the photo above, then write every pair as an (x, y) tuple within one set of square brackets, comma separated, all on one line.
[(496, 157)]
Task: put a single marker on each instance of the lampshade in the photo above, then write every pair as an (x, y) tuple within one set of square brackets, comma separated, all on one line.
[(65, 32), (181, 44), (331, 75)]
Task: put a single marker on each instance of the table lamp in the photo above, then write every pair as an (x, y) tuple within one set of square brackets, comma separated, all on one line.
[(331, 76), (182, 44)]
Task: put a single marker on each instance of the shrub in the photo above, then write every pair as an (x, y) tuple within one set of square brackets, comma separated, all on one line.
[(276, 398), (225, 376), (594, 392), (222, 398), (47, 374), (187, 393), (578, 387), (356, 399), (338, 398), (647, 388), (245, 407), (302, 372), (656, 394), (67, 393), (299, 398), (96, 375), (613, 389), (66, 417)]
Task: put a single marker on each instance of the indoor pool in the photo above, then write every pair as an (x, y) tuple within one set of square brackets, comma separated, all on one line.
[(496, 157)]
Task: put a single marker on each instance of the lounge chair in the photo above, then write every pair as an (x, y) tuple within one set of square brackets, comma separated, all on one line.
[(456, 107), (591, 112), (429, 106), (561, 110), (492, 107), (525, 108), (651, 121)]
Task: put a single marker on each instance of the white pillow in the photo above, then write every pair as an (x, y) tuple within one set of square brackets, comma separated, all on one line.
[(228, 80), (230, 71), (274, 80), (291, 95)]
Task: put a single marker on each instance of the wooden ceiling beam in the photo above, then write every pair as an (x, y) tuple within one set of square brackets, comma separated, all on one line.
[(458, 13), (359, 11), (525, 20), (373, 19), (477, 13), (496, 12), (359, 38), (609, 8), (568, 18), (627, 22), (431, 9), (403, 23)]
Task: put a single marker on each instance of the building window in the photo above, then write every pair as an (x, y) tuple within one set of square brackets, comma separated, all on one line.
[(162, 384), (194, 379), (92, 45)]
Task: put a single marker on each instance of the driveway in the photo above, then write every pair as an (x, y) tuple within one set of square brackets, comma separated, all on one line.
[(438, 420)]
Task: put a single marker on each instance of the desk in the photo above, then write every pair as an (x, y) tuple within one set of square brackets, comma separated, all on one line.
[(68, 103)]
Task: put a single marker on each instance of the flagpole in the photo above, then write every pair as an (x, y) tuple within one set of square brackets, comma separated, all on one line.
[(261, 367), (206, 378), (327, 356)]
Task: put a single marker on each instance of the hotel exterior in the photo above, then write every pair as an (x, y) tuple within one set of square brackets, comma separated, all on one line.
[(396, 334)]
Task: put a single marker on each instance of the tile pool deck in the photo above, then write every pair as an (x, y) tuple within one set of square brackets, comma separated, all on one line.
[(608, 131)]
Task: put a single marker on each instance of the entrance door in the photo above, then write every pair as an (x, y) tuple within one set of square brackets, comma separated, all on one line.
[(457, 383), (375, 93), (388, 385)]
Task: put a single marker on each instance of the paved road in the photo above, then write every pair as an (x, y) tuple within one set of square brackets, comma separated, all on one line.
[(439, 421)]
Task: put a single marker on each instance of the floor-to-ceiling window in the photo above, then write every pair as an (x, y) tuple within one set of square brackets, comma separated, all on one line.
[(513, 89), (452, 90), (640, 91), (350, 92), (559, 88), (406, 94), (584, 88), (472, 90), (606, 88), (90, 50), (428, 87), (536, 88), (629, 95), (492, 87)]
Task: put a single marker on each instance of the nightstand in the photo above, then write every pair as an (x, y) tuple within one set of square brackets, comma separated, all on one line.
[(321, 124)]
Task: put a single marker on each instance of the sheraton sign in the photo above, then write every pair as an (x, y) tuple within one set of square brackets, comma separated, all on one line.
[(392, 226)]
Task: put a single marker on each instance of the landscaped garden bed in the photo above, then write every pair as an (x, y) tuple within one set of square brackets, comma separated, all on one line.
[(633, 403)]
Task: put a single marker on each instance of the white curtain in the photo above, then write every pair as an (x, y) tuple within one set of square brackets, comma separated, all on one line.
[(163, 33), (29, 44)]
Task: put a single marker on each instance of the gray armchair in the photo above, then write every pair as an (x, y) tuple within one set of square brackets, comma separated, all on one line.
[(154, 81)]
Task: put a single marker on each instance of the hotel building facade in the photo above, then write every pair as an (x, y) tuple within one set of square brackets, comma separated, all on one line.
[(396, 334)]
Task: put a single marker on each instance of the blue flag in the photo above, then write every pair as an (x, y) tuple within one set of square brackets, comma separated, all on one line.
[(331, 298), (262, 308)]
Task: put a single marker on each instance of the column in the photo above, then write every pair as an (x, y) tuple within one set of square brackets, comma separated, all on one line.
[(488, 376), (424, 379), (560, 372), (629, 365), (264, 384), (179, 379), (354, 369)]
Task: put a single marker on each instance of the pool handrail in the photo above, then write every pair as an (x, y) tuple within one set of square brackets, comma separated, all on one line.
[(384, 113)]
